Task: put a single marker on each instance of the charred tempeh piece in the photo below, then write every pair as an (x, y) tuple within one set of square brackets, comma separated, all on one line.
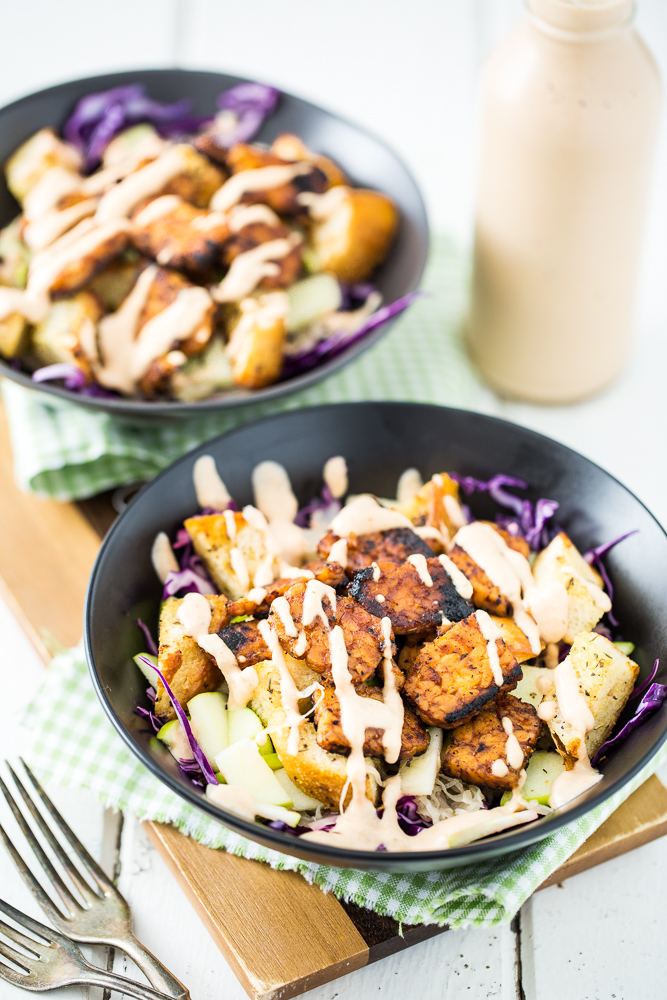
[(475, 746), (452, 679), (393, 545), (400, 593)]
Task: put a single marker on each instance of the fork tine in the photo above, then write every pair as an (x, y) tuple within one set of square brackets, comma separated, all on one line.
[(88, 894), (47, 934), (28, 943), (19, 959), (14, 977), (70, 903), (89, 863), (35, 887)]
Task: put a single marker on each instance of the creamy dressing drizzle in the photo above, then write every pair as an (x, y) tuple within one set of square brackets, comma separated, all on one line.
[(509, 570), (121, 199), (301, 644), (260, 179), (210, 489), (18, 300), (289, 694), (175, 323), (47, 192), (462, 584), (546, 710), (248, 269), (377, 572), (574, 710), (194, 615), (548, 604), (499, 768), (230, 525), (409, 484), (600, 599), (315, 593), (335, 476), (46, 230), (117, 333), (246, 215), (364, 515), (419, 562), (163, 558), (156, 209), (69, 249), (454, 510), (513, 751), (491, 634), (273, 492), (321, 206), (338, 553), (281, 607)]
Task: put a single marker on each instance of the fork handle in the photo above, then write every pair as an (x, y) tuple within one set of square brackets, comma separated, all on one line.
[(119, 984), (159, 977)]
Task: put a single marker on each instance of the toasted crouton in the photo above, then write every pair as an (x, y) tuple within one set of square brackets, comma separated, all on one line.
[(355, 234), (606, 677), (231, 562), (186, 667), (561, 562), (199, 179), (38, 154), (14, 331), (257, 341), (515, 639), (437, 505), (68, 332), (314, 770)]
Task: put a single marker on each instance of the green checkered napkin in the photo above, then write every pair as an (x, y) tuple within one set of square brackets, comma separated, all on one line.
[(67, 452), (72, 743)]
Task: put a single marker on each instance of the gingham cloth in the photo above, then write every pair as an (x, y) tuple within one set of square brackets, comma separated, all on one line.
[(66, 452), (71, 742)]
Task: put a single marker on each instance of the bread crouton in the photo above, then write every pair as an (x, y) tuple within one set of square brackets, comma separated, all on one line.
[(561, 562), (314, 770), (606, 677), (186, 667), (437, 505), (231, 562), (39, 153)]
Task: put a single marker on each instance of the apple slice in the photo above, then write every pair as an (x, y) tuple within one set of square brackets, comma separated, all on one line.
[(173, 736), (241, 802), (243, 724), (418, 774), (150, 674), (244, 767), (300, 800), (208, 718)]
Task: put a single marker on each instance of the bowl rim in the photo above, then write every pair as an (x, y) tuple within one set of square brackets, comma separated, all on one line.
[(143, 409), (521, 837)]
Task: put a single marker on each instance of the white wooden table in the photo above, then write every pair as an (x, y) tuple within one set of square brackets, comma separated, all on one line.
[(407, 71)]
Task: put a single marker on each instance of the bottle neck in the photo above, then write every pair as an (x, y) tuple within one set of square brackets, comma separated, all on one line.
[(581, 20)]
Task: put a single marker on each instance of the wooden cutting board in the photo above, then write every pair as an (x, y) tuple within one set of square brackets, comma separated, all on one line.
[(46, 553)]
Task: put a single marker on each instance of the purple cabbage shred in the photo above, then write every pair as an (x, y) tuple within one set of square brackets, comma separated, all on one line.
[(408, 816), (324, 505), (332, 346), (192, 577), (146, 713), (594, 558), (250, 103), (529, 519), (652, 695), (197, 751), (151, 645), (97, 118), (70, 374), (282, 827)]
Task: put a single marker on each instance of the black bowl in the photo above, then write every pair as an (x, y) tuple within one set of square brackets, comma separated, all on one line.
[(379, 440), (366, 160)]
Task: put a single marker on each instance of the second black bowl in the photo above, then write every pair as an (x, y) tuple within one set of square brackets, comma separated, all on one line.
[(365, 159), (379, 441)]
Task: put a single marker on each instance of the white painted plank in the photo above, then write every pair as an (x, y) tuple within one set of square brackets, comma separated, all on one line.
[(602, 934)]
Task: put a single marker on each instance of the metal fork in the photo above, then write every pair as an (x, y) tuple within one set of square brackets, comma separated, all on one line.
[(102, 916), (55, 961)]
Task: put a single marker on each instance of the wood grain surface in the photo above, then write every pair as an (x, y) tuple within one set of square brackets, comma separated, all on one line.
[(280, 935)]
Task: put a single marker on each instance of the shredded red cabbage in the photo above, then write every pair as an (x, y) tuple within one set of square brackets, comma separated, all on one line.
[(71, 374), (638, 691), (151, 645), (652, 698), (197, 751), (146, 713), (325, 502), (97, 118), (192, 578), (594, 558), (332, 346), (531, 520), (408, 816), (251, 103)]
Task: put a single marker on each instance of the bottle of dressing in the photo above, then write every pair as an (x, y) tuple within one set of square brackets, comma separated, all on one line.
[(570, 107)]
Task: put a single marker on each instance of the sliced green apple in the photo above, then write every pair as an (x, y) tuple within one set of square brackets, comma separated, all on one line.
[(173, 736), (208, 718), (418, 774), (300, 800), (150, 674), (243, 724), (244, 767)]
